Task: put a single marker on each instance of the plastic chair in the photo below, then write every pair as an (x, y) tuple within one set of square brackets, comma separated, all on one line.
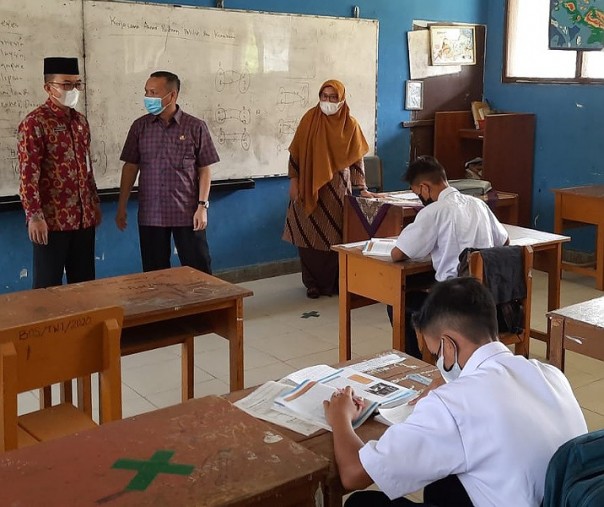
[(55, 351)]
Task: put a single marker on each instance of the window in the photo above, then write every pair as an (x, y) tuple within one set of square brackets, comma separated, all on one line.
[(528, 57)]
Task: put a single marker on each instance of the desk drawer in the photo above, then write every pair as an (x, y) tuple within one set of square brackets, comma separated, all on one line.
[(584, 339)]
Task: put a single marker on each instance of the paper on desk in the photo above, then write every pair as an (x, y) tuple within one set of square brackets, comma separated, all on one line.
[(377, 362), (409, 198), (523, 241), (354, 245), (404, 196), (259, 404), (317, 372), (395, 415)]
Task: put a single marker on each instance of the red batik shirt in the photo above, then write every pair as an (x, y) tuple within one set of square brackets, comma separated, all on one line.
[(57, 183)]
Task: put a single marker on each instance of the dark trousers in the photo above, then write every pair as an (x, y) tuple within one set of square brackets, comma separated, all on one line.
[(319, 270), (156, 247), (447, 492), (69, 252), (413, 302)]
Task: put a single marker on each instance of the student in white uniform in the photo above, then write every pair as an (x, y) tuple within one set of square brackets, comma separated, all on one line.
[(449, 223), (484, 438)]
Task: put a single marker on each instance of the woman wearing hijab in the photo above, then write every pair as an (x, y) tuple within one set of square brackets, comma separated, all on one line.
[(326, 161)]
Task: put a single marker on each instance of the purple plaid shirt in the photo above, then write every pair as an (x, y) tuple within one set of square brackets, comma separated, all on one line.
[(168, 158)]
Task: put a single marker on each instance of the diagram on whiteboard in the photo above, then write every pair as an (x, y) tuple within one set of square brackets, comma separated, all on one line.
[(228, 78), (291, 96), (223, 114), (250, 76), (287, 127), (235, 137)]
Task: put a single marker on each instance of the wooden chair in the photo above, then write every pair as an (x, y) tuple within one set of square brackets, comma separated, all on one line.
[(373, 173), (521, 341), (55, 351)]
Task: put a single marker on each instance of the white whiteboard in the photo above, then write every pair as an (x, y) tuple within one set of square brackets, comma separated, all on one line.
[(249, 75), (28, 33)]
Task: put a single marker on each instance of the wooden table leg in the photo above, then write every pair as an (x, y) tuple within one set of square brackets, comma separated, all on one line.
[(236, 346), (344, 310), (66, 392), (558, 214), (398, 321), (84, 387), (557, 342), (599, 257), (554, 275), (188, 368), (45, 397), (549, 260), (228, 323)]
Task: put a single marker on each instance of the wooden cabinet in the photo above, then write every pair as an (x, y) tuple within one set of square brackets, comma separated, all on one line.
[(506, 145)]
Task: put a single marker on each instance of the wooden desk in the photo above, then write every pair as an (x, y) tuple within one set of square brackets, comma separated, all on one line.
[(578, 206), (159, 307), (579, 328), (384, 281), (374, 279), (201, 452), (547, 257), (389, 217), (321, 443)]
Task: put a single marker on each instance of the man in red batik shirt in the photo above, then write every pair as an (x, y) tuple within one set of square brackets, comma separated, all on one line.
[(57, 189)]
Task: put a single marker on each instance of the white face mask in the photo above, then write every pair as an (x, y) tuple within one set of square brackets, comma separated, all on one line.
[(69, 98), (455, 370), (330, 108)]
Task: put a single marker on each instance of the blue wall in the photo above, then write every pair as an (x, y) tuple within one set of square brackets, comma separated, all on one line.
[(245, 226), (569, 147)]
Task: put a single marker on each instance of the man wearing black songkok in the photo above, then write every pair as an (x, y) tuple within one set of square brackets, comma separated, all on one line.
[(57, 186)]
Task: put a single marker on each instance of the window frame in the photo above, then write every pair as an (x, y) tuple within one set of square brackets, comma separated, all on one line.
[(578, 79)]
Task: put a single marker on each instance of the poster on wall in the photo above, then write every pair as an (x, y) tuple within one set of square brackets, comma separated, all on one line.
[(576, 24), (452, 45)]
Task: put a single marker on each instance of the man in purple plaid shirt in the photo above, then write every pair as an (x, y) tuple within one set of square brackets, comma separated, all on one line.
[(173, 152)]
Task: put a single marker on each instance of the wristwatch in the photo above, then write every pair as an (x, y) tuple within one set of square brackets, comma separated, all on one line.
[(205, 204)]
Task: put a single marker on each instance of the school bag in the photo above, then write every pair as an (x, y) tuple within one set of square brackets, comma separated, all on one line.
[(575, 474)]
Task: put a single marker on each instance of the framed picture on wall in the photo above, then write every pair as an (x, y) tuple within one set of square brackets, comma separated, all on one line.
[(414, 95), (452, 45)]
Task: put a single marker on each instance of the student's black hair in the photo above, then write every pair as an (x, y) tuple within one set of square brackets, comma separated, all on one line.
[(460, 304), (426, 168), (171, 79)]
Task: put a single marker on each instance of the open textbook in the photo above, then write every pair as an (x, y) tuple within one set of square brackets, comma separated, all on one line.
[(306, 399), (380, 247), (261, 402)]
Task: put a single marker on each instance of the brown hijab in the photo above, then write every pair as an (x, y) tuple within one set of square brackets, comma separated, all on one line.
[(324, 145)]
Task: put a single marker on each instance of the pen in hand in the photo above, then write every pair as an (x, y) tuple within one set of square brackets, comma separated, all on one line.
[(358, 400)]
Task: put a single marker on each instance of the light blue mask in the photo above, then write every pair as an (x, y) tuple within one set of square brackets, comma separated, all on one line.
[(153, 105)]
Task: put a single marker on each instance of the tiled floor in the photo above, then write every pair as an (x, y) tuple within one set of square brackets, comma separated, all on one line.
[(285, 331)]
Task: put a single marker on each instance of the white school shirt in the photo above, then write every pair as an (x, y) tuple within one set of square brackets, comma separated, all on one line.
[(444, 228), (495, 427)]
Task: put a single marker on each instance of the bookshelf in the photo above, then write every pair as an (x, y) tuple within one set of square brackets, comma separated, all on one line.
[(506, 145)]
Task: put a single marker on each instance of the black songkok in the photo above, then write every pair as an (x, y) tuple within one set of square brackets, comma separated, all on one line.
[(59, 65)]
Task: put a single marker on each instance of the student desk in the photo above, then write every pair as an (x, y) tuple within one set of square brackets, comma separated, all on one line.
[(377, 279), (579, 328), (201, 452), (159, 308), (547, 257), (365, 280), (321, 443), (366, 218), (578, 206)]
